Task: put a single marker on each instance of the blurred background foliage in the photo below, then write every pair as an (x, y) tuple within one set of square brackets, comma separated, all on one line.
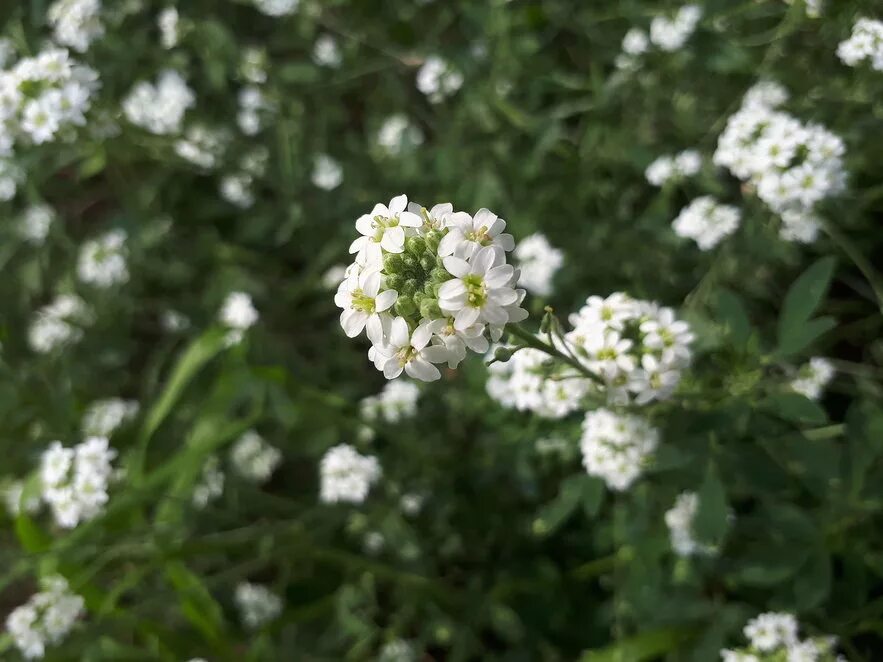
[(516, 555)]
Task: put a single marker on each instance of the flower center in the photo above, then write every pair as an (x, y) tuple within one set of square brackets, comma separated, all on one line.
[(362, 301), (476, 294), (479, 236)]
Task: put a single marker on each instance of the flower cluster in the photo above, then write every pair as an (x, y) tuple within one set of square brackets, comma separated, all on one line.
[(103, 417), (102, 261), (58, 323), (276, 7), (46, 618), (346, 475), (75, 480), (707, 222), (792, 166), (238, 314), (774, 636), (398, 134), (813, 377), (210, 485), (679, 520), (428, 285), (253, 105), (202, 146), (76, 23), (11, 175), (168, 24), (35, 223), (326, 52), (667, 33), (538, 262), (16, 501), (673, 168), (159, 108), (42, 98), (438, 79), (327, 173), (257, 604), (865, 43), (236, 188), (617, 447), (636, 349), (397, 401), (253, 458)]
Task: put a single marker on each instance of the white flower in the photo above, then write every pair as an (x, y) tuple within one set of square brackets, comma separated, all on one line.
[(398, 134), (468, 234), (383, 230), (46, 618), (327, 173), (670, 34), (168, 27), (326, 52), (813, 377), (346, 475), (15, 500), (54, 324), (480, 289), (159, 108), (41, 119), (236, 189), (35, 223), (397, 650), (364, 305), (277, 7), (635, 42), (679, 519), (102, 261), (768, 631), (201, 146), (253, 458), (397, 401), (238, 312), (257, 604), (707, 222), (865, 43), (616, 447), (210, 485), (103, 417), (437, 79), (410, 353), (76, 23), (539, 262), (75, 480)]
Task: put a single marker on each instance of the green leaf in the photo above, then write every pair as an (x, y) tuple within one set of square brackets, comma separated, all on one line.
[(645, 646), (30, 535), (731, 313), (197, 604), (711, 521), (803, 336), (796, 408), (200, 352), (555, 513), (802, 300), (812, 583), (592, 495)]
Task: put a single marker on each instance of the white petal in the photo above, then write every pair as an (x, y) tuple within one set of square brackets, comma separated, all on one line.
[(499, 276), (505, 241), (392, 368), (365, 225), (410, 220), (393, 240), (370, 283), (449, 243), (375, 329), (465, 317), (421, 336), (385, 300), (353, 321), (398, 204), (483, 260), (456, 267), (398, 333), (380, 210), (425, 372), (503, 296), (451, 289), (494, 314), (435, 354)]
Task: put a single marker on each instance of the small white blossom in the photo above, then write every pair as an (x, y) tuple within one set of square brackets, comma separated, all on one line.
[(75, 480), (326, 52), (707, 222), (327, 173), (35, 223), (538, 262), (617, 447), (813, 377), (76, 23), (253, 458), (679, 520), (102, 261), (58, 323), (46, 618), (865, 43), (276, 7), (210, 485), (159, 108), (167, 21), (346, 475), (438, 80), (103, 417), (257, 604)]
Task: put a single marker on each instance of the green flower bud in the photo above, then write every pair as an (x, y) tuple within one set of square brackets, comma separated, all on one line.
[(429, 308), (410, 286), (429, 289), (427, 262), (415, 246), (405, 306), (440, 275), (433, 239), (410, 263), (394, 282), (503, 354), (392, 263)]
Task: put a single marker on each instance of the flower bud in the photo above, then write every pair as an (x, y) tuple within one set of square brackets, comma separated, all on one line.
[(502, 354), (415, 246), (392, 263), (427, 262), (405, 306), (429, 308)]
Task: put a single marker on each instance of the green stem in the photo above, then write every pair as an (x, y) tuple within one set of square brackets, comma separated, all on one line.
[(531, 340)]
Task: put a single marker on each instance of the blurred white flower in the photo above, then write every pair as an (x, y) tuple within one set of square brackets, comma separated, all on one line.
[(102, 261), (346, 475), (327, 173), (257, 604)]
